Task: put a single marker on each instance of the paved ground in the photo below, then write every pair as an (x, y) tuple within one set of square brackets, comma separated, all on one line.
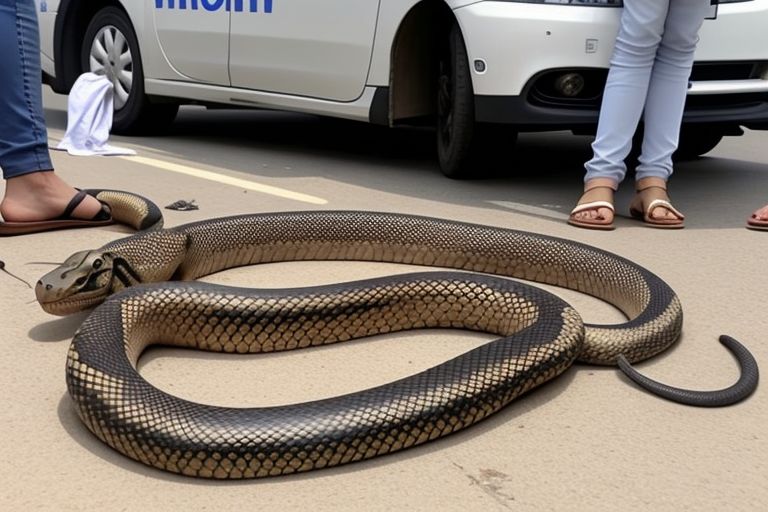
[(587, 441)]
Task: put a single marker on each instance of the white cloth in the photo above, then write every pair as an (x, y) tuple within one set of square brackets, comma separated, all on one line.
[(89, 118)]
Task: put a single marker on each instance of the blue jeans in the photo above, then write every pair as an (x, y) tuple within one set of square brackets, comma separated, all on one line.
[(23, 135), (650, 69)]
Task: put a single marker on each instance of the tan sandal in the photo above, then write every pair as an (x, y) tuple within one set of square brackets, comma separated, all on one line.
[(643, 212), (598, 222)]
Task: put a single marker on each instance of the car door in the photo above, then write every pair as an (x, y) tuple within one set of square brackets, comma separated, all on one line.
[(194, 37), (320, 49)]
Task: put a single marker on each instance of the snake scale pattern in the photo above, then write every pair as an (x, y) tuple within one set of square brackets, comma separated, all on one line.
[(130, 209), (541, 336)]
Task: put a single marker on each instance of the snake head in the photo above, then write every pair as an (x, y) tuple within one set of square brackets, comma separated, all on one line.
[(83, 281)]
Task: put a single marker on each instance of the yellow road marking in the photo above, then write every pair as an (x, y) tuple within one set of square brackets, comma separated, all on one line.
[(227, 180)]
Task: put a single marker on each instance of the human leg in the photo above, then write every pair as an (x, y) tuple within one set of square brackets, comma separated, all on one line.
[(669, 86), (24, 139), (640, 33), (33, 191), (665, 102)]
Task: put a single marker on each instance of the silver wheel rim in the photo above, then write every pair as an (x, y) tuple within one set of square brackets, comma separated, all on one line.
[(111, 56)]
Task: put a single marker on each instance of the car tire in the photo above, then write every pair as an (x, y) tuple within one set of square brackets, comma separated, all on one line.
[(110, 35), (696, 141), (455, 109), (465, 149)]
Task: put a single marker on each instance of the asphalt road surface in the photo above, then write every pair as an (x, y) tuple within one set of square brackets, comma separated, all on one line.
[(589, 440)]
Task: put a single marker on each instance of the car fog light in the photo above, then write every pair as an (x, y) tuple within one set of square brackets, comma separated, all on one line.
[(570, 84)]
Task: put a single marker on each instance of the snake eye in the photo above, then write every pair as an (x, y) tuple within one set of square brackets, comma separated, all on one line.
[(97, 264)]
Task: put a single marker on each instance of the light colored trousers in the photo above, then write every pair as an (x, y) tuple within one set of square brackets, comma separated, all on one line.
[(648, 77)]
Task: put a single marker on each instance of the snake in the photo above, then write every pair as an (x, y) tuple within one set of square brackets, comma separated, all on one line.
[(129, 208), (143, 293)]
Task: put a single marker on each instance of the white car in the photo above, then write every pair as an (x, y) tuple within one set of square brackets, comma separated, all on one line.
[(478, 71)]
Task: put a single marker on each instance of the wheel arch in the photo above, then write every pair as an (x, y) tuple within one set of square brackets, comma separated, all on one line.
[(420, 37)]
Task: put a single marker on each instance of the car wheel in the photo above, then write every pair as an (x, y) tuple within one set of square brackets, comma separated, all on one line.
[(110, 48), (696, 141), (465, 149), (455, 109)]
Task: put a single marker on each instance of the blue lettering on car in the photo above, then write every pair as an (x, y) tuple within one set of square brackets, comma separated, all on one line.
[(215, 5)]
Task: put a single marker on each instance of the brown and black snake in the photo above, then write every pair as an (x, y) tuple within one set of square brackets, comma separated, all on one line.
[(131, 209), (151, 302)]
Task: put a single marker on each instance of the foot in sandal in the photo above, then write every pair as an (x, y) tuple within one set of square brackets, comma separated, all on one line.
[(595, 208), (41, 201), (759, 219), (652, 205)]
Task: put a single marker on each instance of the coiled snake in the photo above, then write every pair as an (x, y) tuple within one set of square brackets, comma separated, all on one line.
[(541, 335)]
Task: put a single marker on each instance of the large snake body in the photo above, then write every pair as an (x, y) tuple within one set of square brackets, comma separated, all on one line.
[(541, 339), (542, 336)]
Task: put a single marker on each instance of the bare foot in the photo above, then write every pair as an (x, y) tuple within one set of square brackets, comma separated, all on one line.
[(595, 207), (42, 196)]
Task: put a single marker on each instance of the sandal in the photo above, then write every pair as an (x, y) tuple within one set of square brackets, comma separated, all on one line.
[(644, 212), (598, 222), (63, 221), (757, 224)]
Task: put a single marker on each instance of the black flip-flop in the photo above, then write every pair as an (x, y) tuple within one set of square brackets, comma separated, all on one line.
[(63, 221)]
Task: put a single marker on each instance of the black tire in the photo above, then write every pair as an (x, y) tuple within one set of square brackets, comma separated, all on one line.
[(465, 149), (455, 109), (134, 112), (696, 141)]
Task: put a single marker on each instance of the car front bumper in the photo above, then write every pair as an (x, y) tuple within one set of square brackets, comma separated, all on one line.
[(520, 46)]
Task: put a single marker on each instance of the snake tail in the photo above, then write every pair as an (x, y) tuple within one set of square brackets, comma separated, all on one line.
[(741, 389)]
